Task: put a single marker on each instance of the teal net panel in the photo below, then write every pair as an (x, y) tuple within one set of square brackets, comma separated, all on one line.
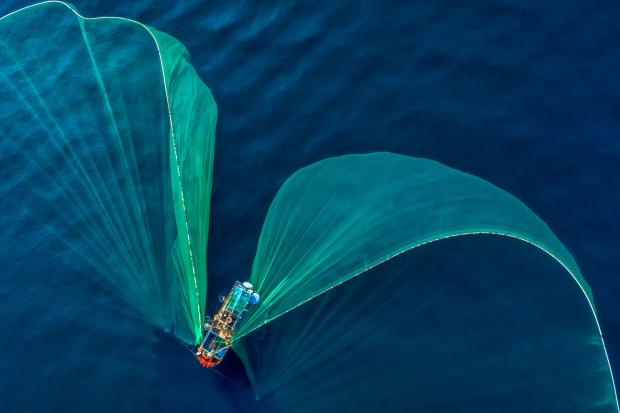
[(341, 217), (107, 140), (468, 324)]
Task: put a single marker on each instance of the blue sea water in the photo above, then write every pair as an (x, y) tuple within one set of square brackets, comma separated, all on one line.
[(521, 93)]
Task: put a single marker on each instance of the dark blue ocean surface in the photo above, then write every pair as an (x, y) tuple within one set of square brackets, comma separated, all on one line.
[(523, 94)]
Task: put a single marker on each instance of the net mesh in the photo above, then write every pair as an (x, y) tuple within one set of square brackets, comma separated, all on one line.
[(342, 216), (467, 324), (107, 142), (473, 328)]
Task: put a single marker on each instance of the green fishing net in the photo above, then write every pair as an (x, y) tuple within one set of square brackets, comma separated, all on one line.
[(108, 135), (337, 218), (467, 324), (470, 329)]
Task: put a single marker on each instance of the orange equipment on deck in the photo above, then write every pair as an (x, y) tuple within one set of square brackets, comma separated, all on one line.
[(219, 331)]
